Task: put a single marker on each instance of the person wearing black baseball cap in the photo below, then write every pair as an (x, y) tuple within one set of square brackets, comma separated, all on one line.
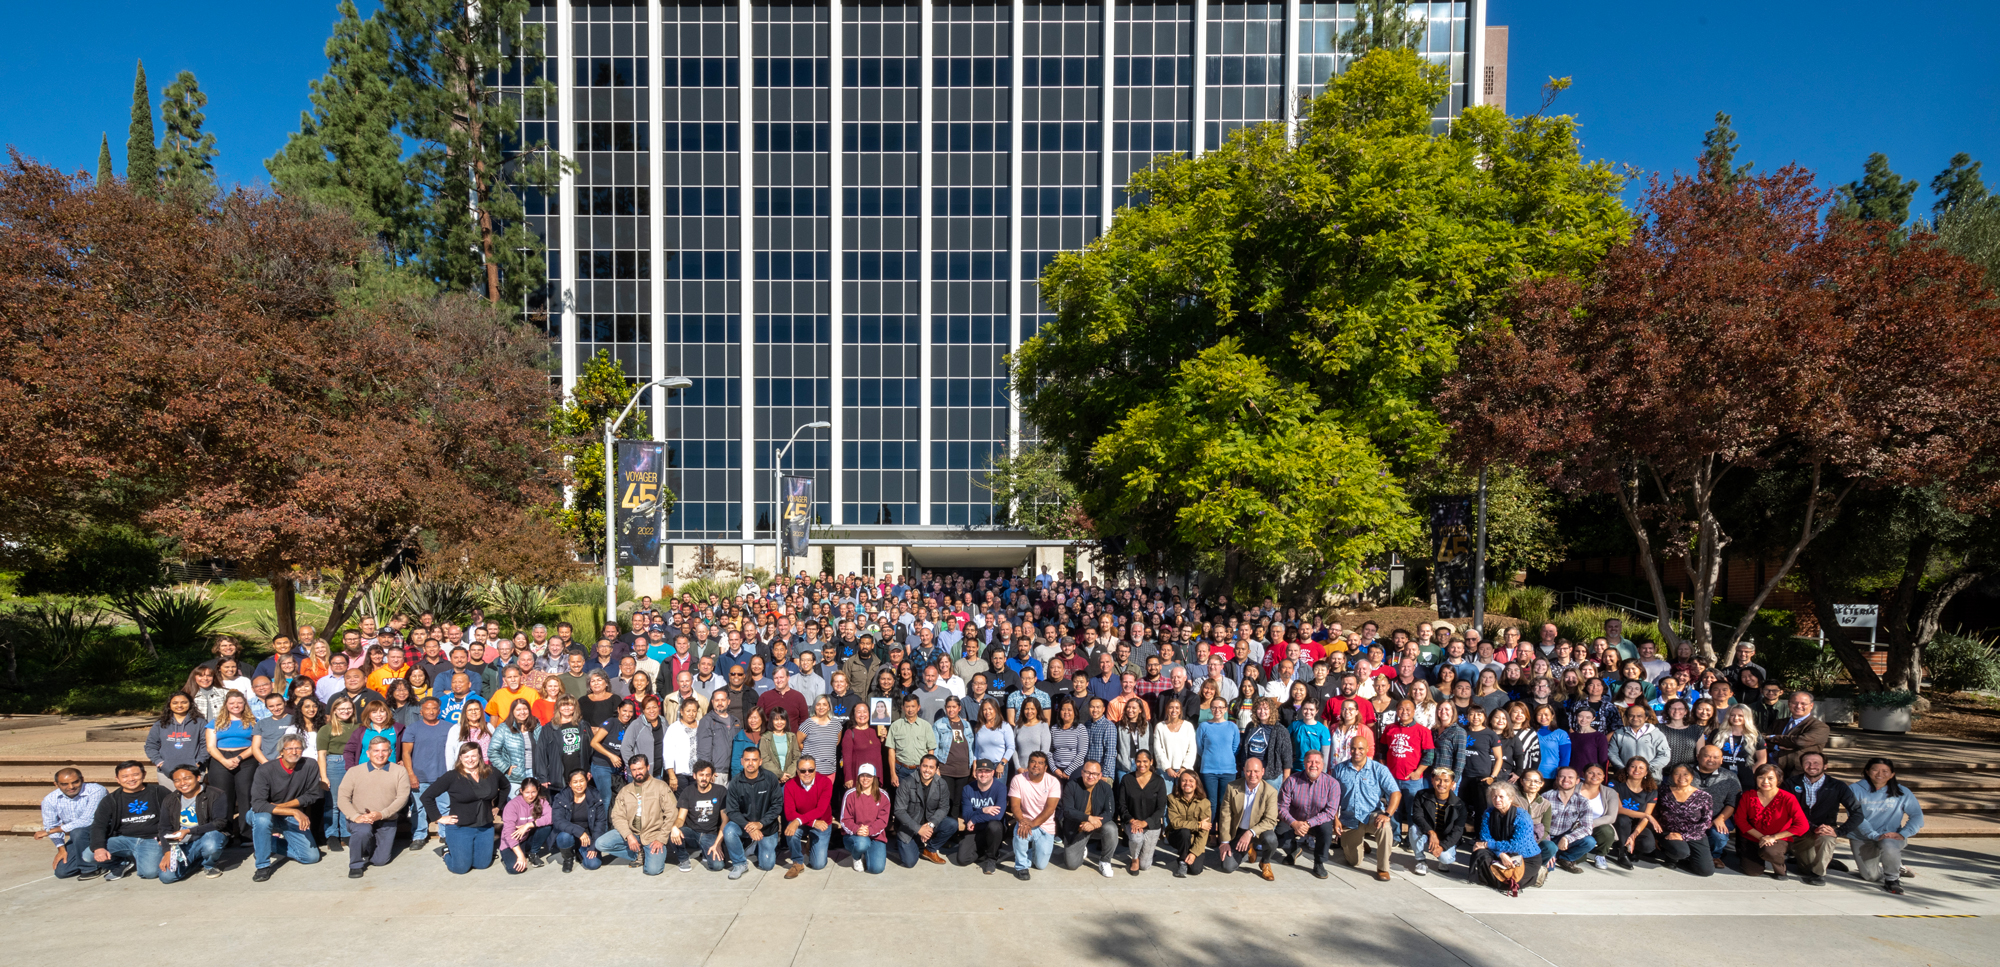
[(983, 810)]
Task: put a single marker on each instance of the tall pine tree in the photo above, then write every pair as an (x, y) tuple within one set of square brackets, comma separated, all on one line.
[(104, 172), (1880, 196), (1718, 153), (1957, 185), (347, 152), (187, 154), (142, 164), (456, 78)]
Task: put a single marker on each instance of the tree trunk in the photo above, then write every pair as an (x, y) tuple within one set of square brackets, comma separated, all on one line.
[(1628, 502), (139, 619), (1906, 660), (285, 602), (1850, 654)]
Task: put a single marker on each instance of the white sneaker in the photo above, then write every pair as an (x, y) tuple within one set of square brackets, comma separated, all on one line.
[(1104, 867), (860, 867), (1598, 861), (1421, 868)]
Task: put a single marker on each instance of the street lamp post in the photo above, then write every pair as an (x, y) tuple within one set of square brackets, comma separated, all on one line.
[(778, 496), (611, 490)]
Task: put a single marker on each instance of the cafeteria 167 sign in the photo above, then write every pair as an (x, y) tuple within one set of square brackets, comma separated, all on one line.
[(641, 501)]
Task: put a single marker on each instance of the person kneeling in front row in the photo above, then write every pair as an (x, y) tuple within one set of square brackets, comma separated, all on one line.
[(372, 798)]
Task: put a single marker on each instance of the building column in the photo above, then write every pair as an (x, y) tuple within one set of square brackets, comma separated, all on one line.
[(747, 273), (1200, 112), (846, 559), (836, 494), (924, 179), (1017, 276), (1291, 71), (563, 305)]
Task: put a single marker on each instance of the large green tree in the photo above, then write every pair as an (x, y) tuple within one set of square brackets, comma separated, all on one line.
[(142, 163), (416, 128), (187, 153), (1959, 184), (577, 426), (1322, 287), (104, 170)]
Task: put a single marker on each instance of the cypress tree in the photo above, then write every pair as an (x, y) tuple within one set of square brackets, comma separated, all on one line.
[(187, 155), (104, 172), (142, 164)]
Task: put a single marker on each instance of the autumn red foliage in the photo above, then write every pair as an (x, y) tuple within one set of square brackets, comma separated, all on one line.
[(195, 363), (1739, 329)]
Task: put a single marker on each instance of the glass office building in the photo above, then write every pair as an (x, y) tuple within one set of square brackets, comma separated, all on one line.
[(837, 212)]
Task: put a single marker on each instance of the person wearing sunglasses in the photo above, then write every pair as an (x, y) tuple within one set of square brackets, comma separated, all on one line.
[(808, 817)]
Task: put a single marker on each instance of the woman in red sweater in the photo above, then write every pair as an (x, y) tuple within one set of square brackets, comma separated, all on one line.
[(808, 813), (1767, 819)]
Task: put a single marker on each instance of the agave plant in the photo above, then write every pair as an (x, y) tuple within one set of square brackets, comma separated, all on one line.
[(521, 604), (448, 600), (54, 630), (180, 620)]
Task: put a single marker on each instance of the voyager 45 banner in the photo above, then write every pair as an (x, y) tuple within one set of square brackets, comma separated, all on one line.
[(641, 484), (797, 515)]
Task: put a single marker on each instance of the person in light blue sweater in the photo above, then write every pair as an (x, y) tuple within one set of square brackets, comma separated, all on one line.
[(1215, 752), (1309, 734), (1889, 817)]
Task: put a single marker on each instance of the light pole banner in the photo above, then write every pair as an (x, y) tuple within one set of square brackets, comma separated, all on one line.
[(797, 515), (640, 483), (1451, 555)]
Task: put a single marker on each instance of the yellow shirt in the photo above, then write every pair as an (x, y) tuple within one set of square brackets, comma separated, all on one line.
[(503, 701), (380, 678)]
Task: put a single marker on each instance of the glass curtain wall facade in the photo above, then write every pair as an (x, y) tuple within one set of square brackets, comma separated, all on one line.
[(839, 211)]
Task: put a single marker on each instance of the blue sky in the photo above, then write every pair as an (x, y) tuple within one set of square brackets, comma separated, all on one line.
[(1821, 84)]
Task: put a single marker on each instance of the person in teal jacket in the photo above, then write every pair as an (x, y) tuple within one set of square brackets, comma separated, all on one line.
[(1889, 817)]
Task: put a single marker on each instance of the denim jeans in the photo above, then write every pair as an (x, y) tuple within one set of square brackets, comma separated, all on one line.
[(734, 840), (814, 856), (143, 851), (613, 847), (1039, 842), (1404, 833), (907, 847), (537, 840), (873, 853), (298, 843), (467, 848), (201, 852), (1577, 850), (601, 776), (78, 846), (1717, 842), (697, 844), (589, 856), (1214, 783), (420, 826), (336, 821)]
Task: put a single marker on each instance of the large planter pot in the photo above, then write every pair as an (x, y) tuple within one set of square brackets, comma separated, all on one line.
[(1836, 711), (1885, 719)]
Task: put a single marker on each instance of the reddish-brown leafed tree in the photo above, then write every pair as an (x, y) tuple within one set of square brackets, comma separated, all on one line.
[(1738, 330), (196, 364)]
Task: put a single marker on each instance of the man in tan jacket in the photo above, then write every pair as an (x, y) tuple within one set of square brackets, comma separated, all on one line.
[(1249, 821), (643, 815), (372, 797)]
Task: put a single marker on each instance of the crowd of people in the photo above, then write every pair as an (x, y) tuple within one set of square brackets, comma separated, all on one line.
[(1008, 719)]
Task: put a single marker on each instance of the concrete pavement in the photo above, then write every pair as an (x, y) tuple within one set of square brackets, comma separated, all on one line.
[(837, 916)]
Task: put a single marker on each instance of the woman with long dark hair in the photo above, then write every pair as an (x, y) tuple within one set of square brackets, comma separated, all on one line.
[(1889, 817), (463, 799), (1684, 815), (527, 827)]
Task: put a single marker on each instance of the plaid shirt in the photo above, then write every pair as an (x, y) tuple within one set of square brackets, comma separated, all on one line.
[(1571, 819)]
